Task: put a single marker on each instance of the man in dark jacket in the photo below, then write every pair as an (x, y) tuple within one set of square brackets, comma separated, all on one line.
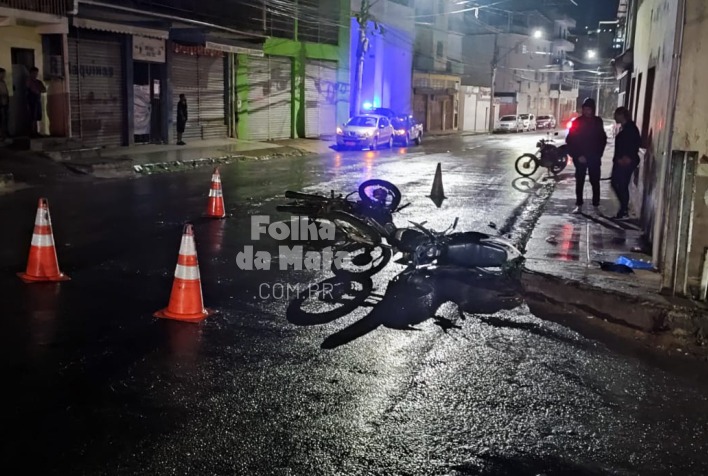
[(586, 145), (626, 159)]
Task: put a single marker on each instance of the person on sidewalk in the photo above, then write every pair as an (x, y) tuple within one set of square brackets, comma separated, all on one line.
[(35, 89), (4, 107), (626, 159), (181, 118), (586, 145)]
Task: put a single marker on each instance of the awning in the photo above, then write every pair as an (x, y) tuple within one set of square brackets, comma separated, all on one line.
[(198, 37), (119, 28)]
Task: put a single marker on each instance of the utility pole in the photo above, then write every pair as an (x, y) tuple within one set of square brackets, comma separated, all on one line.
[(597, 102), (495, 60), (363, 17)]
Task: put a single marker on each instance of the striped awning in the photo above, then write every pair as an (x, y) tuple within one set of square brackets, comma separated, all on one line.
[(119, 28)]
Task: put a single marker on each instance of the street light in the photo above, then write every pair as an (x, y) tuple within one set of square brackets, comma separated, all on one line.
[(538, 34), (591, 54)]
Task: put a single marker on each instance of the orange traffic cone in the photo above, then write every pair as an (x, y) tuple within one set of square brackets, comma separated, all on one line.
[(215, 208), (42, 265), (186, 302)]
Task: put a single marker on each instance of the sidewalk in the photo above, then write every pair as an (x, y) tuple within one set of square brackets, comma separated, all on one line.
[(562, 265), (152, 158)]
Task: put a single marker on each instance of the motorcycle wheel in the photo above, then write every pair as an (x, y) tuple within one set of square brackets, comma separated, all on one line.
[(390, 188), (526, 165), (355, 229), (329, 300), (362, 259)]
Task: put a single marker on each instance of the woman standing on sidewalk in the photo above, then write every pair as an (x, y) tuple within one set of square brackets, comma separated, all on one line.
[(626, 159)]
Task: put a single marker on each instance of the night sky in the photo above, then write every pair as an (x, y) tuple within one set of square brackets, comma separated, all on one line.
[(589, 12)]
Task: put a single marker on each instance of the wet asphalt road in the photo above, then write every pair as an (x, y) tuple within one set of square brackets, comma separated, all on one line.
[(95, 385)]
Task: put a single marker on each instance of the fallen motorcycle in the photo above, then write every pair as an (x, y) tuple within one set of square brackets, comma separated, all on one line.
[(362, 221), (549, 156)]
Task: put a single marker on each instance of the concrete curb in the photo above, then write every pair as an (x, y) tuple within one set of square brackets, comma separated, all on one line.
[(124, 166), (647, 315)]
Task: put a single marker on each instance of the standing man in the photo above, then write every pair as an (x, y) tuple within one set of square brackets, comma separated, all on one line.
[(586, 145), (35, 89), (4, 106), (181, 118), (626, 159)]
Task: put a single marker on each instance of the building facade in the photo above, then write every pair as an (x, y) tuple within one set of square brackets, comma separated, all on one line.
[(33, 34), (523, 56), (661, 73), (437, 66), (115, 70)]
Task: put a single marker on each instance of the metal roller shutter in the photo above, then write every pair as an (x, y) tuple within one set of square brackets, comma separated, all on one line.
[(201, 79), (212, 97), (320, 99), (184, 77), (269, 98), (98, 105)]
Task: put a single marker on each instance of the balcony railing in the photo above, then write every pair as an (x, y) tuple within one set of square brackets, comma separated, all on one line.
[(51, 7)]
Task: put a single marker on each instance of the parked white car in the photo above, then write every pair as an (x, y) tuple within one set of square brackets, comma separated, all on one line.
[(366, 131), (528, 122), (509, 124)]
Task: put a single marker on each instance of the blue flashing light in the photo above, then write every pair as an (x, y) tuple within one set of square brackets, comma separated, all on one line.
[(368, 106)]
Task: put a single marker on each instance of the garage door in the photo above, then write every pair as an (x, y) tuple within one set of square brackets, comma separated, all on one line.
[(320, 99), (269, 98)]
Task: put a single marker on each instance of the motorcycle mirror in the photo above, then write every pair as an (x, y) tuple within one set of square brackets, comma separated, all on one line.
[(454, 225)]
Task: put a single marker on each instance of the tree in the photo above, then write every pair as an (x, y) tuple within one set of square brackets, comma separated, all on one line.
[(363, 19)]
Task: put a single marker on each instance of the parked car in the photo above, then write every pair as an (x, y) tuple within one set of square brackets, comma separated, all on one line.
[(407, 130), (528, 122), (609, 126), (546, 122), (509, 124), (366, 131)]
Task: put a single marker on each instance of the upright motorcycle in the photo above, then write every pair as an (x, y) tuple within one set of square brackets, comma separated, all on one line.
[(549, 156)]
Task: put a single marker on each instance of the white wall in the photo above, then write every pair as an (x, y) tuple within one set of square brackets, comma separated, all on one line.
[(475, 108)]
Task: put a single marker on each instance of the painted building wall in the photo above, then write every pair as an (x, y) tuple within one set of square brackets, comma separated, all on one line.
[(27, 38), (300, 52), (653, 48), (691, 121), (388, 65)]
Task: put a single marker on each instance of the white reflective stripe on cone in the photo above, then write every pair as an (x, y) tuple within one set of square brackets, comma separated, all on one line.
[(216, 193), (188, 273), (187, 247), (216, 178), (42, 218), (43, 241)]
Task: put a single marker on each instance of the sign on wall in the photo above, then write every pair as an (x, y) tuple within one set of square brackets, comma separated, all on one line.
[(148, 49)]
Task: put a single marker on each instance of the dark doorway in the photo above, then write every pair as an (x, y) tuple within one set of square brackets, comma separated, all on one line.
[(147, 109), (22, 62), (648, 99)]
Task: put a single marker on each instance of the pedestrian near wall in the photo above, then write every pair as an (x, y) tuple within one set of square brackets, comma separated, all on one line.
[(626, 159), (586, 145), (182, 116), (35, 89), (4, 106)]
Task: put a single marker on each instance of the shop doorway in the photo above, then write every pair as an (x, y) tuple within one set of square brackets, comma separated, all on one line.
[(147, 110), (22, 63)]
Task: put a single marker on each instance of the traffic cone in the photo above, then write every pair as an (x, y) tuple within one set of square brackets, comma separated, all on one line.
[(42, 265), (215, 208), (186, 302), (437, 194)]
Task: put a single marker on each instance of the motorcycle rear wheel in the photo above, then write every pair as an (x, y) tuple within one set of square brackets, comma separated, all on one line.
[(390, 188), (526, 165)]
